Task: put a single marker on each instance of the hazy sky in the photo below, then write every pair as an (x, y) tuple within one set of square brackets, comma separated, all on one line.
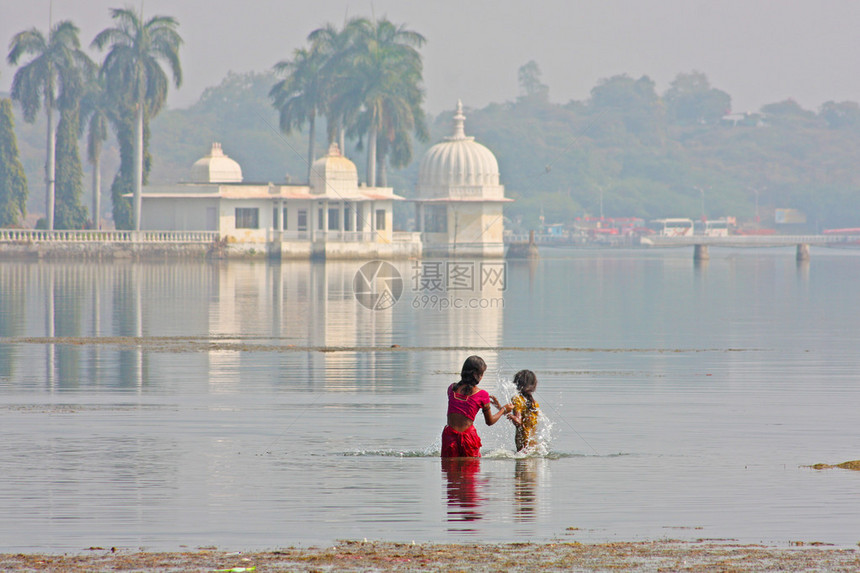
[(759, 51)]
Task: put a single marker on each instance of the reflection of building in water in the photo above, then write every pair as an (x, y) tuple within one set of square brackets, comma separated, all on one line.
[(149, 319), (460, 305), (295, 304)]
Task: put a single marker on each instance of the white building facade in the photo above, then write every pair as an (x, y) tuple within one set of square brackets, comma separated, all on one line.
[(333, 217), (459, 207), (459, 199)]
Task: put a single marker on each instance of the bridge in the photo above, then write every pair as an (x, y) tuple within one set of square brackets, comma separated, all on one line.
[(700, 243)]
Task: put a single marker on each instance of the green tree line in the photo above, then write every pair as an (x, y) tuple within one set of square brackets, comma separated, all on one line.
[(631, 151), (644, 153), (364, 79), (127, 89), (627, 150)]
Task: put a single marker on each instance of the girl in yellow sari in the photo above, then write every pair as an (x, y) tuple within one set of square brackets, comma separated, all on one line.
[(526, 411)]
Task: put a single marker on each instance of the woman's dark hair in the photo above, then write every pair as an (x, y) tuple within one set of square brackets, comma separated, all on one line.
[(473, 369), (525, 381)]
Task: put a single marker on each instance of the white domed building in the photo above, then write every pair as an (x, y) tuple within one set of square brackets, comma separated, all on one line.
[(331, 217), (216, 168), (459, 202), (459, 198)]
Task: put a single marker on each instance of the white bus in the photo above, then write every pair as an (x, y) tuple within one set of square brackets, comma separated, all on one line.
[(672, 227), (716, 228)]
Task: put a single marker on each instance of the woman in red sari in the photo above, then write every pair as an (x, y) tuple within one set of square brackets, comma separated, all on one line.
[(459, 438)]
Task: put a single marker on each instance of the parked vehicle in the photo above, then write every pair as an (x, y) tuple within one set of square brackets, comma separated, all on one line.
[(715, 228), (672, 227)]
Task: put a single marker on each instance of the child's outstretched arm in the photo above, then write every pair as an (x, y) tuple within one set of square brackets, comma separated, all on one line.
[(491, 418)]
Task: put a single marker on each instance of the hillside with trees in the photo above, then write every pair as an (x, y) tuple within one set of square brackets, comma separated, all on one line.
[(647, 154), (627, 150)]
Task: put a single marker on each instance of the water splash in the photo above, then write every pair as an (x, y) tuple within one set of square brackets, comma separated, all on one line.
[(503, 431)]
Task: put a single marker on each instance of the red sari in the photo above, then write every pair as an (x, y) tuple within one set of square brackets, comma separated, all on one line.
[(461, 444), (464, 444)]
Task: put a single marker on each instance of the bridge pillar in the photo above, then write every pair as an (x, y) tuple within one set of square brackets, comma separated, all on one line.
[(700, 253), (802, 252)]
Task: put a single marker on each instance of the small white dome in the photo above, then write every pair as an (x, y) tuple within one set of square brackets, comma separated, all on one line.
[(459, 166), (333, 173), (216, 168)]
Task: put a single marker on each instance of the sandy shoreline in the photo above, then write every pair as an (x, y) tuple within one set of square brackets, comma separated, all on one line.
[(703, 555)]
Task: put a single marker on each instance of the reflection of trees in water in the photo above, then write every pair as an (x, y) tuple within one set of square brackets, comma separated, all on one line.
[(12, 313), (66, 284), (127, 322), (90, 305), (464, 496), (525, 482)]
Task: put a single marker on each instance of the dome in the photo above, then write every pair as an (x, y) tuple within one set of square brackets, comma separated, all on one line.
[(334, 173), (216, 168), (459, 167)]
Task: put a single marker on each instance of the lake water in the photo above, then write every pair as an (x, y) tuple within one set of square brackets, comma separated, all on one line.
[(252, 405)]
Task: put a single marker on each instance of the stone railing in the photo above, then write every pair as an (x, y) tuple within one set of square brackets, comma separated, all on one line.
[(90, 236), (345, 236)]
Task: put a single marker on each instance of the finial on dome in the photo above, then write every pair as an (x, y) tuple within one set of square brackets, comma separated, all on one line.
[(216, 150), (333, 149), (459, 122)]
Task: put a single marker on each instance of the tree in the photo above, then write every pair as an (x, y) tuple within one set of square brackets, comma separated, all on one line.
[(132, 71), (387, 83), (634, 102), (69, 213), (96, 107), (841, 115), (13, 182), (394, 142), (301, 95), (336, 47), (529, 76), (53, 73), (787, 112), (124, 122), (690, 99)]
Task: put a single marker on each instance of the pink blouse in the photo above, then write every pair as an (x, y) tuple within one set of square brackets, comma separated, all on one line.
[(469, 406)]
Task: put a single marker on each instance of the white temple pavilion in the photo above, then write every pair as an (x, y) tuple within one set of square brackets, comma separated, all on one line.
[(459, 197), (458, 201)]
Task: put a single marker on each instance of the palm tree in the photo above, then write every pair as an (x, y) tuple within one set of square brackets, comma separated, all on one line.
[(68, 211), (13, 180), (132, 70), (300, 96), (388, 73), (402, 115), (96, 107), (56, 65), (337, 47)]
